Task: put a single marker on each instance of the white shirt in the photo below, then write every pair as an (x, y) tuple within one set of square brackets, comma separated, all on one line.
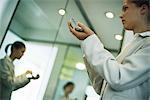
[(128, 75)]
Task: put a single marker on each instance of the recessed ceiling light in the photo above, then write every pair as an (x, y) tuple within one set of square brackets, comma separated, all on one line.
[(118, 37), (109, 15), (80, 66), (62, 11)]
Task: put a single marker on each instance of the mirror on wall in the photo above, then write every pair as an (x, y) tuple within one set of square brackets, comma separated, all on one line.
[(51, 50)]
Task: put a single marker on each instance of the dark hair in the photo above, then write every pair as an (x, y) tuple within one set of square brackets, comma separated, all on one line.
[(139, 3), (16, 45), (68, 84)]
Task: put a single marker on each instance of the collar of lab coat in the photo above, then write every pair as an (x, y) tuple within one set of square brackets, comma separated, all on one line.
[(144, 34), (7, 57)]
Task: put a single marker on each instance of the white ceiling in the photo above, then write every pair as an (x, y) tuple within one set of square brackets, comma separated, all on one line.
[(39, 20)]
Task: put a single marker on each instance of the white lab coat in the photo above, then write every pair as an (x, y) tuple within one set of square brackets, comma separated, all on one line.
[(127, 76), (8, 81), (65, 98)]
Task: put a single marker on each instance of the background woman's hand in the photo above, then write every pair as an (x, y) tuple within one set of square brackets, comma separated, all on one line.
[(29, 72), (81, 35)]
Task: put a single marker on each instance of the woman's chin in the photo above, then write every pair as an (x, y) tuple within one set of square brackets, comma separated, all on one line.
[(127, 28)]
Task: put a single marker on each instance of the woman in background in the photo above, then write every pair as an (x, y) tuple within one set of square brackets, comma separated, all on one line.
[(68, 88), (8, 81)]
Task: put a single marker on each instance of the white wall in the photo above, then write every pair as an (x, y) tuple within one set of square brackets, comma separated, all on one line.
[(38, 57)]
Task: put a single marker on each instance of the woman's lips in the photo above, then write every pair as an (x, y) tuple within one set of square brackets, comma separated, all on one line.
[(123, 21)]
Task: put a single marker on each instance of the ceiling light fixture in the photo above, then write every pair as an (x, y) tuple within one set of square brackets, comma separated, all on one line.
[(80, 66), (61, 11), (109, 15), (118, 37)]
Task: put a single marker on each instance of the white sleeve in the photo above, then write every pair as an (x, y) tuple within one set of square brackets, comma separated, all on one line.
[(96, 79), (134, 70), (9, 79), (20, 81)]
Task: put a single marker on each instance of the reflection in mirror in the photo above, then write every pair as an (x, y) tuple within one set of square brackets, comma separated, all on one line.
[(51, 50), (34, 59), (35, 28)]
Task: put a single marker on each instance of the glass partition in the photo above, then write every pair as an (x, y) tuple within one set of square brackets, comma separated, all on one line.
[(7, 9), (51, 50)]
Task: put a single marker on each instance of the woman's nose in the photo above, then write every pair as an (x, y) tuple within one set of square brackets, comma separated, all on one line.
[(120, 16)]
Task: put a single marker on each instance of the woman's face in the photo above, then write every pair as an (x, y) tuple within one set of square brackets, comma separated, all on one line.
[(19, 52), (69, 89), (131, 15)]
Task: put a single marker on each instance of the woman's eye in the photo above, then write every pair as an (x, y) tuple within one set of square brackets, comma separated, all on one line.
[(124, 8)]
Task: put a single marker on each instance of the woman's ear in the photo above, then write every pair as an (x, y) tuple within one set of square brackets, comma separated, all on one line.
[(144, 9), (14, 51)]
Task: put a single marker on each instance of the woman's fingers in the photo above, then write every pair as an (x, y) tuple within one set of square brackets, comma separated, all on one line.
[(28, 72), (69, 25), (81, 25), (79, 35), (71, 28), (86, 29)]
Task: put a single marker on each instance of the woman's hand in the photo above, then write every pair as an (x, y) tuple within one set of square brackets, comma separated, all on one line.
[(29, 72), (81, 35)]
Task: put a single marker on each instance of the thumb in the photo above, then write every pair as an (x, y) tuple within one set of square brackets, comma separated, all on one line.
[(81, 25)]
